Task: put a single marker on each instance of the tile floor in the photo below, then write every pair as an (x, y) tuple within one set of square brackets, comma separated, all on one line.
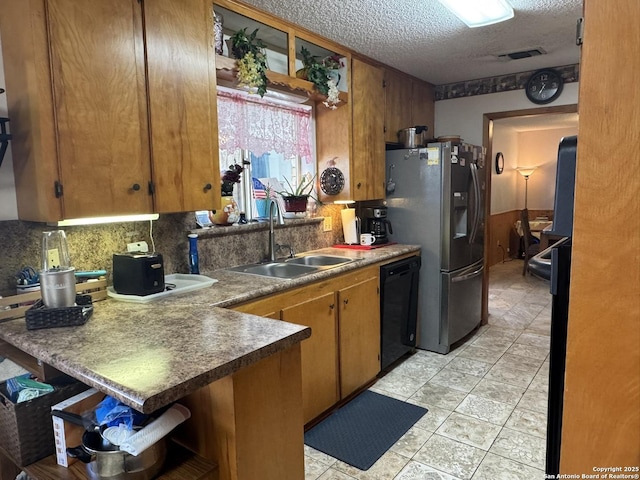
[(487, 399)]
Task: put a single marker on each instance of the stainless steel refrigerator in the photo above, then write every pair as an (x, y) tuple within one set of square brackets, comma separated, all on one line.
[(436, 198)]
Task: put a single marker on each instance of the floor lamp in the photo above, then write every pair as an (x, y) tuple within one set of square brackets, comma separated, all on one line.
[(526, 172)]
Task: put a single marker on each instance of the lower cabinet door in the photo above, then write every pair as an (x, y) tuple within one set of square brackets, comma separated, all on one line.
[(319, 353), (359, 319)]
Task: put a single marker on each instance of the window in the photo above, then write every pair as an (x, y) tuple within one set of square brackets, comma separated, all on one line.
[(273, 134)]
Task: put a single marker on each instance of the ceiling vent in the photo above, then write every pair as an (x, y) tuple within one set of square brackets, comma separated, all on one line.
[(522, 54)]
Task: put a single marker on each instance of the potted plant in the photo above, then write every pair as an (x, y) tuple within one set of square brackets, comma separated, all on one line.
[(323, 76), (251, 60), (296, 198)]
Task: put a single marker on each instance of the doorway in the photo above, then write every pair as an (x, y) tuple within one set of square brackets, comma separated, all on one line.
[(535, 117)]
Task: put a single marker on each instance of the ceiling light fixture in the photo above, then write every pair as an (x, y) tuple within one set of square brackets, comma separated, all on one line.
[(479, 13)]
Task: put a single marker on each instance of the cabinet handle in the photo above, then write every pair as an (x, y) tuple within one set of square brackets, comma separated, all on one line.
[(331, 306), (207, 187), (136, 187), (346, 300), (359, 184)]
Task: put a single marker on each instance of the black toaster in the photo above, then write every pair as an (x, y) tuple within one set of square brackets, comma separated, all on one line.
[(137, 273)]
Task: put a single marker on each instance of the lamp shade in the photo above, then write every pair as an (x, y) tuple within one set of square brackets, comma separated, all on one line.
[(526, 172)]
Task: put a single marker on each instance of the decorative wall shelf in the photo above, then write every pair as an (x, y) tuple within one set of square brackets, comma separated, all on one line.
[(226, 70)]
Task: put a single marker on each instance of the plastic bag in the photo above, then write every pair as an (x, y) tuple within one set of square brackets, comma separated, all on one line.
[(112, 412)]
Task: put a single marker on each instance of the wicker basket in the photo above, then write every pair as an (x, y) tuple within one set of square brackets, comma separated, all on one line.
[(40, 316), (27, 429)]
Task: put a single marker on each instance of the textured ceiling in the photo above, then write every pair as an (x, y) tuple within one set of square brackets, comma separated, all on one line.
[(422, 38)]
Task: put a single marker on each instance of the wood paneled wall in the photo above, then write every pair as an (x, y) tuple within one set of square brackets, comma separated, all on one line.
[(601, 420), (501, 227)]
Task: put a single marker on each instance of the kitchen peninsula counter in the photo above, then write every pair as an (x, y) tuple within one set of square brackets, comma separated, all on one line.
[(149, 355), (239, 371)]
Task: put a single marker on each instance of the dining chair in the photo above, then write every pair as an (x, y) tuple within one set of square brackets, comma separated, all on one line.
[(531, 244)]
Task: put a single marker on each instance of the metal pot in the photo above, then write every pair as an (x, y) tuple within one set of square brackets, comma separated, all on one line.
[(116, 464), (105, 461), (412, 137)]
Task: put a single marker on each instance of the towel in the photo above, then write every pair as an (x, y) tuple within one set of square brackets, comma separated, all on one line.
[(161, 426)]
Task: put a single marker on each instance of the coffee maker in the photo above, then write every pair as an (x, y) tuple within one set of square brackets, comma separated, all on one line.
[(374, 221)]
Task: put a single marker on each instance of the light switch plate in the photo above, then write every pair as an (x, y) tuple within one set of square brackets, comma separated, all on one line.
[(327, 224)]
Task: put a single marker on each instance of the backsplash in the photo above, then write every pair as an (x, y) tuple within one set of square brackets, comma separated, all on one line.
[(91, 247)]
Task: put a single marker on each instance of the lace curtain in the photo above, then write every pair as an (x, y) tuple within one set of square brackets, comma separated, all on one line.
[(247, 121)]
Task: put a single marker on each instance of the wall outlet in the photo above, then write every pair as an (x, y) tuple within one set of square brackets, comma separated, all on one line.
[(137, 247), (53, 258), (327, 224)]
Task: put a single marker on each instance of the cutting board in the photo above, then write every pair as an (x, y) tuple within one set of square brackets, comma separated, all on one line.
[(363, 247)]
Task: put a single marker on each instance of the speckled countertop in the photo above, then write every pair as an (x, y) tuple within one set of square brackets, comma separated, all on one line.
[(149, 355)]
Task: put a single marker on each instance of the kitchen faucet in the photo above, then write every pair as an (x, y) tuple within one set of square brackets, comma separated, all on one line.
[(272, 237)]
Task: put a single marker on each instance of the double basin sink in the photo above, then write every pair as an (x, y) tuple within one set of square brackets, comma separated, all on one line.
[(293, 267)]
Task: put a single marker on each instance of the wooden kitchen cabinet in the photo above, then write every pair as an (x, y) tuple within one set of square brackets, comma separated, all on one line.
[(319, 353), (423, 106), (408, 102), (343, 353), (319, 356), (359, 314), (368, 149), (397, 104), (117, 112), (315, 308)]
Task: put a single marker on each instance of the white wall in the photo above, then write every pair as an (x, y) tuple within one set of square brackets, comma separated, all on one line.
[(8, 205), (540, 149), (537, 148), (463, 116), (503, 186)]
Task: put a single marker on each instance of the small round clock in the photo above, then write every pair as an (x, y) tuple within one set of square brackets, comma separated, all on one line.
[(499, 163), (544, 86)]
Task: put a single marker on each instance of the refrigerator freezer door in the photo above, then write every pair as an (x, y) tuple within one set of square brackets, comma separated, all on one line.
[(458, 199), (461, 303)]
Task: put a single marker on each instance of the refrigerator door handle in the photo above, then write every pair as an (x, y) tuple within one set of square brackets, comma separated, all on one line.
[(476, 194), (467, 276)]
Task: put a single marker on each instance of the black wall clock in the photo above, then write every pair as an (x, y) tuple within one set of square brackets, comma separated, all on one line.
[(332, 181), (499, 163), (544, 86)]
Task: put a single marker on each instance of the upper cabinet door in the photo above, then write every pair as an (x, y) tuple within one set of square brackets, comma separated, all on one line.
[(97, 67), (368, 132), (422, 106), (397, 104), (182, 104)]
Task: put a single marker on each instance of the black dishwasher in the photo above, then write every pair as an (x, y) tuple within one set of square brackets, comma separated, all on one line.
[(398, 308)]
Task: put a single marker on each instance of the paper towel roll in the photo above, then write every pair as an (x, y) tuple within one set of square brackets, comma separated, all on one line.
[(161, 426), (349, 227)]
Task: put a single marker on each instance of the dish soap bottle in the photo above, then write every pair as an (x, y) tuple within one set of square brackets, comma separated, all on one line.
[(194, 264)]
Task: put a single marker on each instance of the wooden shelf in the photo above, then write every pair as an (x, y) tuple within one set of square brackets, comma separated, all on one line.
[(180, 464), (226, 70)]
